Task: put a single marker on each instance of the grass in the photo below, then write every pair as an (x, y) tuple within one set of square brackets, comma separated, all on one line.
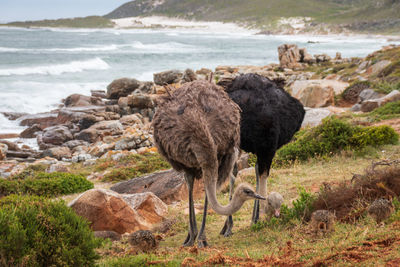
[(125, 168), (359, 244)]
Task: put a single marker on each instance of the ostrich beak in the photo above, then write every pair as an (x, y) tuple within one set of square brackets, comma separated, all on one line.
[(257, 196), (277, 213)]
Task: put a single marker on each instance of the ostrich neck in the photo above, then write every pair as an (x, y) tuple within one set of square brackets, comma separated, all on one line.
[(234, 205)]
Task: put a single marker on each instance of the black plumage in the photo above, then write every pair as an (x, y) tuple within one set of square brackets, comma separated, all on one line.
[(269, 118)]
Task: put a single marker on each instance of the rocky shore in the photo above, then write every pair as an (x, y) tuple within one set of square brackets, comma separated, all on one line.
[(107, 129), (117, 120)]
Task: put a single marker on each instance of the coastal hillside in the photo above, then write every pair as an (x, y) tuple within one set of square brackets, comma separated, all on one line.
[(307, 15), (85, 22)]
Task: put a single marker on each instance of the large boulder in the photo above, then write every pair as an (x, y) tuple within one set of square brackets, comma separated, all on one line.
[(372, 104), (58, 152), (31, 132), (99, 130), (314, 116), (78, 100), (42, 119), (317, 93), (167, 77), (368, 94), (169, 186), (3, 151), (122, 87), (289, 56), (109, 211), (378, 67), (55, 135), (129, 120), (140, 101)]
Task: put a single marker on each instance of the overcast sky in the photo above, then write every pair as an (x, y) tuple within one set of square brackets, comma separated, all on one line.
[(21, 10)]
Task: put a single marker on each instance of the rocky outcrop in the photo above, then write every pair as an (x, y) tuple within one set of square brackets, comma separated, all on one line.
[(99, 130), (44, 120), (372, 104), (317, 93), (54, 136), (59, 152), (167, 77), (122, 87), (289, 56), (78, 100), (109, 211), (378, 67), (31, 132), (3, 151), (169, 186)]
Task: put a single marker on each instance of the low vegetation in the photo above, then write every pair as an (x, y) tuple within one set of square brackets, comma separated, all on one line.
[(86, 22), (132, 166), (388, 111), (331, 137), (44, 184), (40, 232)]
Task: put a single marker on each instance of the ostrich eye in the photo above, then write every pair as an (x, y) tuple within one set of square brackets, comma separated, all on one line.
[(247, 191)]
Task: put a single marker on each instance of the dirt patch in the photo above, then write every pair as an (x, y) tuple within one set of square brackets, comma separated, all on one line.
[(365, 251)]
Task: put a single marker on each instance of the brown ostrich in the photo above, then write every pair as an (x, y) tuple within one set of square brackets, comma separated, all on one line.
[(196, 128)]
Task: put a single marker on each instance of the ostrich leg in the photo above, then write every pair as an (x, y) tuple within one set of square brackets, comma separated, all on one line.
[(256, 208), (202, 242), (227, 229), (192, 234)]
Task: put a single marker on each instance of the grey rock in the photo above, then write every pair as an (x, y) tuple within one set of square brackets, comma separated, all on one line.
[(122, 87), (167, 77)]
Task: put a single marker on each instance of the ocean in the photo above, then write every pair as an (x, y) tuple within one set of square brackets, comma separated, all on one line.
[(39, 67)]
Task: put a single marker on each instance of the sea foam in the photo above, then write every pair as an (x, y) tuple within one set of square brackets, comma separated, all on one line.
[(57, 69)]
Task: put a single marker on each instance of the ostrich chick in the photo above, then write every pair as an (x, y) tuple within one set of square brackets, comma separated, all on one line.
[(142, 241), (322, 221), (380, 209), (274, 203)]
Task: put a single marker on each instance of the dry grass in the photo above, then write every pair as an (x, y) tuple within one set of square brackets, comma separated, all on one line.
[(360, 244)]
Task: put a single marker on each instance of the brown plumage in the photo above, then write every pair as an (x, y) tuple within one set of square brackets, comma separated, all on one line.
[(380, 209), (196, 129), (142, 241), (322, 221)]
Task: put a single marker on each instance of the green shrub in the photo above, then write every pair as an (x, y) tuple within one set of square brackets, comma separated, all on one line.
[(36, 231), (331, 137), (45, 184), (386, 87), (301, 211), (388, 111), (135, 166), (302, 207)]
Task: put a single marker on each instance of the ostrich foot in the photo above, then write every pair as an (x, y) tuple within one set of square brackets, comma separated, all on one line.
[(202, 243), (227, 229), (189, 241)]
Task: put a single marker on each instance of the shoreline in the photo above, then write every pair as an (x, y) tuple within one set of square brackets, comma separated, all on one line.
[(174, 23)]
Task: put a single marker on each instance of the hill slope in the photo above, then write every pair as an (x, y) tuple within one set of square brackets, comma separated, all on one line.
[(356, 15)]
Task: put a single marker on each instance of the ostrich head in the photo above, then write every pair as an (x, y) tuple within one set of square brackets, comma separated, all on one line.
[(245, 192), (275, 201)]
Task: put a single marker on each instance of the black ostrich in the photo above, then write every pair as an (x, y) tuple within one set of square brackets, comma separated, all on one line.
[(269, 119)]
